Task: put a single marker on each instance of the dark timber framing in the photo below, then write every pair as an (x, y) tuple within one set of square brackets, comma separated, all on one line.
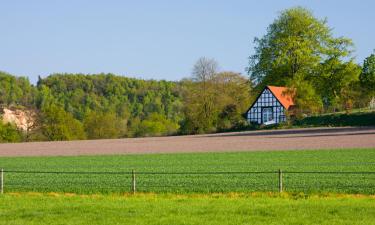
[(266, 99)]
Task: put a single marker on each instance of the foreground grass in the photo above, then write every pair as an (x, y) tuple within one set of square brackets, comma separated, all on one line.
[(33, 208), (356, 160)]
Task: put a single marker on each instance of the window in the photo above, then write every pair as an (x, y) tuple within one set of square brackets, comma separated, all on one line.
[(267, 114)]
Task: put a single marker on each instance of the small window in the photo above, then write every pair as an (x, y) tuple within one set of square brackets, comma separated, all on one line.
[(267, 114)]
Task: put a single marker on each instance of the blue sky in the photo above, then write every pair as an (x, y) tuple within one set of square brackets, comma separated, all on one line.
[(154, 39)]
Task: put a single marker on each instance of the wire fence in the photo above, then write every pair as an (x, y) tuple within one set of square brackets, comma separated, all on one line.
[(187, 182)]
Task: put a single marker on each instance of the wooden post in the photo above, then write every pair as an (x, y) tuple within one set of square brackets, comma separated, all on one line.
[(133, 182), (2, 181), (280, 181)]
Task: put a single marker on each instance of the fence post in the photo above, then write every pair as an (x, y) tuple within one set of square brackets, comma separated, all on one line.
[(133, 182), (280, 180), (2, 181)]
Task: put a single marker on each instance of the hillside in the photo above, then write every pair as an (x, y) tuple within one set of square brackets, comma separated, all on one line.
[(97, 106)]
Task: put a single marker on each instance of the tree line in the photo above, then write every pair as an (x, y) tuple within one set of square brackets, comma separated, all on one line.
[(79, 106), (298, 51)]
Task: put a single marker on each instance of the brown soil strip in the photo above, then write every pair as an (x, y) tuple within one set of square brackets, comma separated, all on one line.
[(291, 139)]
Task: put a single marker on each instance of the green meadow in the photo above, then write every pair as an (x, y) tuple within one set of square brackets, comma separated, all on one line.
[(152, 209), (196, 172)]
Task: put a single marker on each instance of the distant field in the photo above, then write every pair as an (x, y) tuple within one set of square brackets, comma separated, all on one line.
[(262, 140), (196, 172), (20, 209)]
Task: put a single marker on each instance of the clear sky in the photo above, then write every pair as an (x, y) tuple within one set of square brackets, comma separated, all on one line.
[(154, 39)]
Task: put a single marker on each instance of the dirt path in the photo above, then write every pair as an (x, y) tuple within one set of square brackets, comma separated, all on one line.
[(292, 139)]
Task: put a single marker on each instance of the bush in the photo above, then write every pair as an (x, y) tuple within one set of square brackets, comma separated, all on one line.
[(354, 119), (58, 125), (9, 133), (157, 125), (103, 125)]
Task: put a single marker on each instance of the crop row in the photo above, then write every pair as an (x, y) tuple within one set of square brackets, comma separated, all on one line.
[(184, 183), (186, 172)]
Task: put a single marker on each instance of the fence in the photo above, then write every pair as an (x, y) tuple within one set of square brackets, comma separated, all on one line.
[(187, 182)]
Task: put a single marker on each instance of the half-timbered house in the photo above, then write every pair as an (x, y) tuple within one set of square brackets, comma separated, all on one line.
[(270, 106)]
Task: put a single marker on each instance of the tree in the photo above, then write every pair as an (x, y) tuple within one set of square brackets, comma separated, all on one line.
[(128, 98), (334, 77), (9, 133), (16, 90), (367, 77), (305, 98), (227, 97), (199, 97), (232, 91), (300, 49), (204, 69), (103, 125), (44, 97), (293, 44), (157, 125), (58, 125)]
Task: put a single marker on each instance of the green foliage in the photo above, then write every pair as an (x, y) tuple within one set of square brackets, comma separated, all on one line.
[(59, 125), (300, 51), (106, 92), (157, 125), (288, 47), (233, 94), (16, 90), (44, 97), (9, 133), (200, 97), (334, 82), (103, 125), (353, 119), (367, 77), (116, 101), (305, 97), (220, 107), (112, 106), (200, 111)]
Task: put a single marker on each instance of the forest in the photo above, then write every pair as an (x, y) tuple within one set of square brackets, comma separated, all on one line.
[(317, 67), (79, 106)]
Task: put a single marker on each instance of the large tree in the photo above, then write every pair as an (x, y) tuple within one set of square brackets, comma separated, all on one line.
[(214, 100), (300, 48), (201, 95), (367, 77), (232, 99)]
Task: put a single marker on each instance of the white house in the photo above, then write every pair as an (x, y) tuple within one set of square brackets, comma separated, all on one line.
[(270, 106)]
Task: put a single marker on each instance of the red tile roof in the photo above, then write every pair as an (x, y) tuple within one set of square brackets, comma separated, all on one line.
[(281, 94)]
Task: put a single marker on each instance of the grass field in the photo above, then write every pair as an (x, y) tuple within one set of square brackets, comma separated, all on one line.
[(355, 160), (20, 209)]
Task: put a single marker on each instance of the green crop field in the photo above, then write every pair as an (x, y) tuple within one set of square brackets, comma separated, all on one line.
[(151, 209), (196, 173)]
